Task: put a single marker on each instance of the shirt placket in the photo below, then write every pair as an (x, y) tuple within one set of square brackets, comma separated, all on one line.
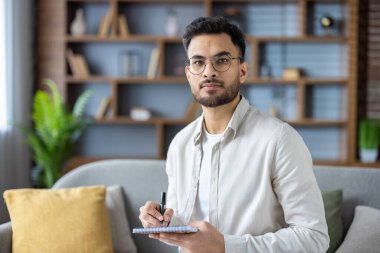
[(194, 183), (213, 204)]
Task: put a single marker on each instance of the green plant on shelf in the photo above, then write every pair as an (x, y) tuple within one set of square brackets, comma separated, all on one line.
[(55, 131), (369, 139), (369, 130)]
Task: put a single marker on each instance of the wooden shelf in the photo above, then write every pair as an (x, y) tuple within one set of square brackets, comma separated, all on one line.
[(126, 80), (306, 81), (53, 40), (90, 1), (318, 123), (161, 1), (330, 163), (152, 121), (118, 39), (375, 165), (175, 39), (301, 39)]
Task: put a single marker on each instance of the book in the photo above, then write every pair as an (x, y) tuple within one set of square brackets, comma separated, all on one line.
[(73, 64), (123, 26), (105, 24), (77, 64), (153, 63), (103, 107), (173, 229), (82, 65)]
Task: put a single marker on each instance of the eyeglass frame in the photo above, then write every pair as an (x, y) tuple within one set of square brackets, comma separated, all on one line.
[(204, 67)]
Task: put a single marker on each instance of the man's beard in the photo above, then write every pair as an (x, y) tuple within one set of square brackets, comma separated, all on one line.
[(228, 95)]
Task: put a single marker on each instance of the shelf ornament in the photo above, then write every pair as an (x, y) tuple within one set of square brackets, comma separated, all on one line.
[(369, 140), (172, 26), (78, 26), (327, 24)]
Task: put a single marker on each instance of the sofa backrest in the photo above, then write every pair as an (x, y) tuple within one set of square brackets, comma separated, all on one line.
[(361, 186), (142, 180)]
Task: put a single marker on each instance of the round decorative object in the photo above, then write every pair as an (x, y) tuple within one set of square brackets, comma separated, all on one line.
[(326, 22)]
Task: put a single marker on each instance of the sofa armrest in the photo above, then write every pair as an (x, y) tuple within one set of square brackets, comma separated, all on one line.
[(6, 238)]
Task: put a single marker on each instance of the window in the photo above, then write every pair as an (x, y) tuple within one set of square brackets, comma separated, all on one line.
[(3, 91)]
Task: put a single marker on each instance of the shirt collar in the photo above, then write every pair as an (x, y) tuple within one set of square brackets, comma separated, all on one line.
[(235, 121)]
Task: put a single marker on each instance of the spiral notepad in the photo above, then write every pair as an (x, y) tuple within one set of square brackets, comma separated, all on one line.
[(174, 229)]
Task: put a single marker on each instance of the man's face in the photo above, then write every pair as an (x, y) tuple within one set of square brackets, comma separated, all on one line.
[(213, 88)]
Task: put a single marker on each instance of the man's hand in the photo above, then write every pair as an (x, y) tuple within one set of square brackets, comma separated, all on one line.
[(206, 240), (150, 215)]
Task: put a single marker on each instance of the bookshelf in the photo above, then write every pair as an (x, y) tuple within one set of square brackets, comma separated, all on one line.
[(321, 104)]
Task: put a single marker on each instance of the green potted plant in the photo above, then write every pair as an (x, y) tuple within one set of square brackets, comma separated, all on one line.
[(55, 131), (369, 138)]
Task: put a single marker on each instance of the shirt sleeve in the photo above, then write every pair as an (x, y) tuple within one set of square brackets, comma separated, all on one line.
[(295, 185), (171, 199)]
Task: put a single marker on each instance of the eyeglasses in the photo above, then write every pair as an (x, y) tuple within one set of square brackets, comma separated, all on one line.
[(222, 63)]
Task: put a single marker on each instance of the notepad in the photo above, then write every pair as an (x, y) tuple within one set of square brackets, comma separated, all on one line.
[(173, 229)]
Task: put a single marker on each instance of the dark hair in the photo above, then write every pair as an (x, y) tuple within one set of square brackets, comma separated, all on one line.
[(214, 25)]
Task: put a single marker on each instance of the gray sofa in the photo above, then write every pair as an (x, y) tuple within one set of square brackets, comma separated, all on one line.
[(143, 180)]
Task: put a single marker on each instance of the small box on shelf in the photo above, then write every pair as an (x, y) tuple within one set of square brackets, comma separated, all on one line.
[(293, 74), (140, 114)]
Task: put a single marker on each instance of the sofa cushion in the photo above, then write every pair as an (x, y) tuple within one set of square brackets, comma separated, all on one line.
[(121, 234), (364, 232), (332, 201), (64, 220)]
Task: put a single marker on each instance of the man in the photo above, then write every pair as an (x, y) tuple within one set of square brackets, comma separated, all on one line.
[(243, 178)]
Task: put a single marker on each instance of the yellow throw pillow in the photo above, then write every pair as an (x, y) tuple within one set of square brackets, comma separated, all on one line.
[(63, 220)]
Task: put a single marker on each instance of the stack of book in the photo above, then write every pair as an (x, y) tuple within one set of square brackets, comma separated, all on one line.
[(77, 64), (112, 24)]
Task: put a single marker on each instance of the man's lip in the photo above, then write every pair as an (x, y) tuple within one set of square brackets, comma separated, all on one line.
[(211, 85)]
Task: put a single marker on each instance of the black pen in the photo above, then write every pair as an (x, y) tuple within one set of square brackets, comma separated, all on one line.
[(163, 204)]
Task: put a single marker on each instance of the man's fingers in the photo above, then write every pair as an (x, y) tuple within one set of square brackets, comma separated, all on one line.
[(149, 215), (168, 215)]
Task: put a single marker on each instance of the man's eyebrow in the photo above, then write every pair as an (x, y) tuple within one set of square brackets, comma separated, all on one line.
[(222, 53), (197, 56)]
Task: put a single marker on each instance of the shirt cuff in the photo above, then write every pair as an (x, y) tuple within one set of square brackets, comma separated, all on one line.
[(234, 244)]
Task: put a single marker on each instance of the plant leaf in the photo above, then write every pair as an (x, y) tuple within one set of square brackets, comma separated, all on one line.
[(81, 103)]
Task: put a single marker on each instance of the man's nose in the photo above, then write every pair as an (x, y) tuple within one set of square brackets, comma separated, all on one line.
[(209, 70)]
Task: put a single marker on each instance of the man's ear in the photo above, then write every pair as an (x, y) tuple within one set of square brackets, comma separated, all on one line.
[(243, 72), (187, 74)]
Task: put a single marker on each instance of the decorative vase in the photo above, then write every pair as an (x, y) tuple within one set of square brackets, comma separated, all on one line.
[(172, 24), (78, 26), (368, 155)]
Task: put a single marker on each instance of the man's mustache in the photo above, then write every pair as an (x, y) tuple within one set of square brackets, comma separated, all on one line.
[(203, 83)]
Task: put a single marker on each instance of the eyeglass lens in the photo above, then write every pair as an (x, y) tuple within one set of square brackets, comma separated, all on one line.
[(220, 64)]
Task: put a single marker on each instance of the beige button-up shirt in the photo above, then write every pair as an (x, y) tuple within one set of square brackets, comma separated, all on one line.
[(263, 193)]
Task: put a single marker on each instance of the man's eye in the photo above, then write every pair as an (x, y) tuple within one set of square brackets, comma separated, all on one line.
[(198, 62), (222, 60)]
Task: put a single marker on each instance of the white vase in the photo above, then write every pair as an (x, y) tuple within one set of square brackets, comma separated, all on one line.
[(172, 25), (368, 155), (78, 26)]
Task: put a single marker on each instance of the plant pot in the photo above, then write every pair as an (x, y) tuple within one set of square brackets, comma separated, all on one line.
[(368, 155)]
